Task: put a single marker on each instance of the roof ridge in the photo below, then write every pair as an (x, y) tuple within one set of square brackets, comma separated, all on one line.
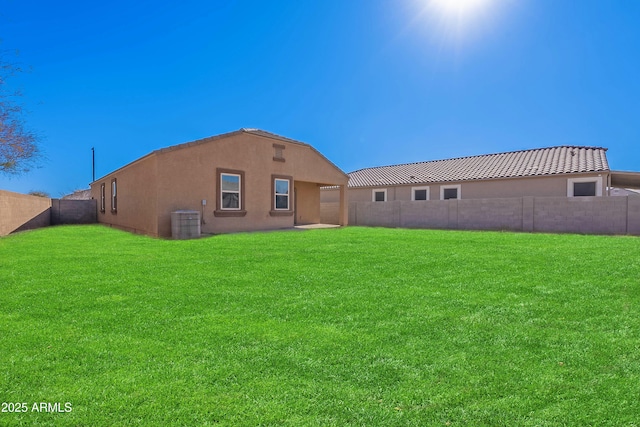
[(265, 133), (254, 131)]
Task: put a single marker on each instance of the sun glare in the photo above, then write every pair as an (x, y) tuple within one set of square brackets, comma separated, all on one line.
[(457, 20), (459, 8)]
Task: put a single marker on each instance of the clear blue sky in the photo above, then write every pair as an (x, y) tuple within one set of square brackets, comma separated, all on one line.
[(366, 82)]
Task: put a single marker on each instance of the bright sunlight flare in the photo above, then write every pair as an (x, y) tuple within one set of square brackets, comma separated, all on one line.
[(458, 20), (459, 7)]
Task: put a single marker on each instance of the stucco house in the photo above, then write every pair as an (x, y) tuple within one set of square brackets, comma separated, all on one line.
[(555, 189), (565, 171), (244, 180)]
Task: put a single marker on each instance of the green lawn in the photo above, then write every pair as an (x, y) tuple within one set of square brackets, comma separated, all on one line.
[(353, 326)]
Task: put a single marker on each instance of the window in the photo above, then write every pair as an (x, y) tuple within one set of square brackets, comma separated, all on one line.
[(114, 196), (281, 195), (450, 192), (584, 188), (102, 197), (281, 203), (578, 187), (379, 195), (419, 193), (230, 193)]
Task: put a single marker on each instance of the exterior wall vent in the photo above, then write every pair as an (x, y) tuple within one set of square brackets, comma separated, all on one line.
[(185, 224)]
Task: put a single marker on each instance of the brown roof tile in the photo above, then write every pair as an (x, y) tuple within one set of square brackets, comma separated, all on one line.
[(525, 163)]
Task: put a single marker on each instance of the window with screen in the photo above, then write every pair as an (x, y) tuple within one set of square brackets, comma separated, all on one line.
[(379, 195), (229, 191), (114, 196), (448, 192), (281, 194), (420, 193), (584, 189)]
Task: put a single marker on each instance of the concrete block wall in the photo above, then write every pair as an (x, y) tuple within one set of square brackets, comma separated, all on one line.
[(375, 214), (633, 216), (422, 215), (66, 211), (588, 215), (20, 212), (528, 218), (490, 214)]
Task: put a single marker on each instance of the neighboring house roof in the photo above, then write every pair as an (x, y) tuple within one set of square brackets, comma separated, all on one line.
[(525, 163), (624, 192), (625, 179), (79, 195)]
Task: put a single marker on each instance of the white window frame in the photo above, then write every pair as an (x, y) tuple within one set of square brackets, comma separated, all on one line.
[(114, 195), (413, 193), (449, 187), (596, 179), (378, 190), (103, 199), (276, 194), (239, 192)]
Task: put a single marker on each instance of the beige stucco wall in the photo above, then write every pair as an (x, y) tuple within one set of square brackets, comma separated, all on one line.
[(330, 195), (308, 202), (546, 186), (182, 177), (21, 211), (136, 197), (331, 201)]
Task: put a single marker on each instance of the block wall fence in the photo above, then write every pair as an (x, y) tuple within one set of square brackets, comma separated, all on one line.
[(585, 215), (19, 212), (65, 211)]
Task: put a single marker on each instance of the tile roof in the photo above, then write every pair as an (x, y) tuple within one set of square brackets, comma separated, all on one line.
[(525, 163)]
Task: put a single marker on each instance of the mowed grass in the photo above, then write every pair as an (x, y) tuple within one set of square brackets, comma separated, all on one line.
[(353, 326)]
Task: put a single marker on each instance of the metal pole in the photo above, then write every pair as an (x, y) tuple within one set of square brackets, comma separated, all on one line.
[(93, 164)]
